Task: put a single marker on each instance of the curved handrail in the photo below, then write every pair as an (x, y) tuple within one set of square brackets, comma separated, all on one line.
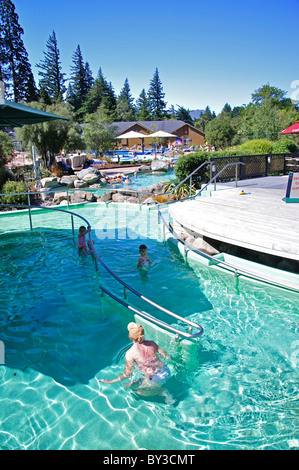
[(153, 319), (126, 286), (146, 299)]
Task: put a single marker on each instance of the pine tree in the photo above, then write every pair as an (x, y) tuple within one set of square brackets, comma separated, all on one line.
[(156, 97), (124, 108), (100, 94), (109, 102), (183, 114), (143, 107), (81, 80), (52, 79), (95, 94), (15, 69)]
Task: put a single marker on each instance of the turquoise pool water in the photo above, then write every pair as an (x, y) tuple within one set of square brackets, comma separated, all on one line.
[(145, 180), (60, 335)]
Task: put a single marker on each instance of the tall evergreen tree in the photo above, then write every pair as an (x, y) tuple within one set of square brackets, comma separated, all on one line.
[(109, 102), (183, 114), (124, 107), (81, 80), (143, 108), (97, 93), (52, 79), (156, 97), (15, 69)]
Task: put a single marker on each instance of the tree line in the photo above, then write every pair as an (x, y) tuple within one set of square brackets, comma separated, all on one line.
[(84, 93), (85, 99)]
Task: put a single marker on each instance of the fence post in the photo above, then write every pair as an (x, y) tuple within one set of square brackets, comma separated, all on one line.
[(241, 172), (30, 218)]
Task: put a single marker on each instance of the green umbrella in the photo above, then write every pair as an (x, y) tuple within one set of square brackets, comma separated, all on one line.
[(17, 115)]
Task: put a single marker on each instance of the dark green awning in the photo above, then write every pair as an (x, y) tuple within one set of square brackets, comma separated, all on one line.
[(17, 115)]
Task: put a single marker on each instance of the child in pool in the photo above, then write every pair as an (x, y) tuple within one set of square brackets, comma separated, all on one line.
[(143, 261), (82, 240)]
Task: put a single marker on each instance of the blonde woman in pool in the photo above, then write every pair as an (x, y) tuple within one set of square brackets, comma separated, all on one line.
[(146, 356)]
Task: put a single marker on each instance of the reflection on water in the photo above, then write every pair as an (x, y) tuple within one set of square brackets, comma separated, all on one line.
[(60, 335)]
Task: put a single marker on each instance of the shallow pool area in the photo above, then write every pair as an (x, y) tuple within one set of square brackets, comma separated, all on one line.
[(60, 335), (144, 180)]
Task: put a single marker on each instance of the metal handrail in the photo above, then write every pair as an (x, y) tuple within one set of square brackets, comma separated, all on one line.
[(126, 286), (219, 173), (189, 176), (204, 187), (142, 297), (46, 208), (155, 320), (238, 271)]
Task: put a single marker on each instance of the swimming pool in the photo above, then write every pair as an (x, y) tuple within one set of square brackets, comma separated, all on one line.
[(60, 335), (144, 180)]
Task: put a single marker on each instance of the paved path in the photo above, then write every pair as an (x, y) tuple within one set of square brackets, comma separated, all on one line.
[(260, 221)]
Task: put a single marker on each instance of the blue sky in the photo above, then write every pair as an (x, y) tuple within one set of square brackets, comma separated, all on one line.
[(207, 53)]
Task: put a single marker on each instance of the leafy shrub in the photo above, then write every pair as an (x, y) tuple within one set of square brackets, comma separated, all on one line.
[(188, 163), (14, 187), (257, 146), (179, 193), (284, 145), (229, 152)]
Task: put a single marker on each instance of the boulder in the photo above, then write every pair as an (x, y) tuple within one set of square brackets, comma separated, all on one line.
[(59, 197), (87, 171), (63, 203), (106, 198), (116, 197), (82, 196), (80, 184), (144, 169), (90, 178), (202, 245), (155, 188), (190, 240), (49, 182), (132, 199), (46, 195), (68, 181), (158, 165), (90, 197)]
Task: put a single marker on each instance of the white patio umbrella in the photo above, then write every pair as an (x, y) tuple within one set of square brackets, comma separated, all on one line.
[(160, 134), (131, 135)]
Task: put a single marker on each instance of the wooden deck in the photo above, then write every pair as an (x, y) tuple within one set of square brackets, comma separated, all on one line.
[(259, 220)]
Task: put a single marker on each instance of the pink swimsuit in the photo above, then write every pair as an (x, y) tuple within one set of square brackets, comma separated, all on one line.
[(82, 242), (145, 356), (145, 262)]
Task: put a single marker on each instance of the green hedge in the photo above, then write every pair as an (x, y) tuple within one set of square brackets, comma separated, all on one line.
[(257, 146), (284, 145), (188, 163), (14, 187)]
